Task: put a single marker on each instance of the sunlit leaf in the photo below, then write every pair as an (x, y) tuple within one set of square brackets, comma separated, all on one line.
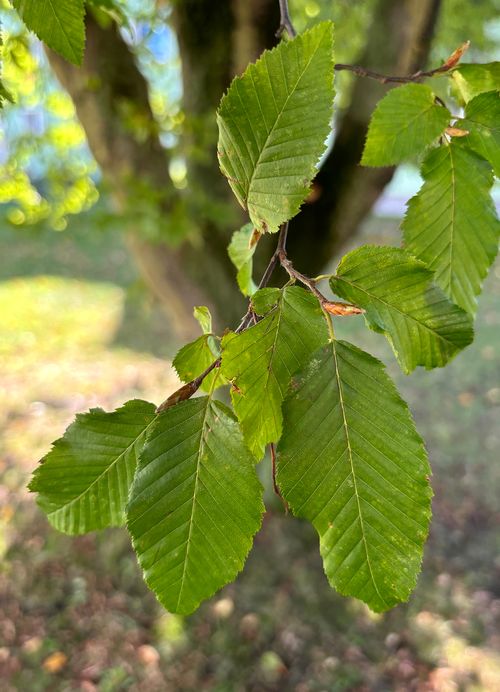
[(195, 505), (451, 224), (400, 300), (202, 315), (58, 23), (405, 123), (261, 360), (273, 124), (469, 80), (83, 482), (482, 121), (351, 462)]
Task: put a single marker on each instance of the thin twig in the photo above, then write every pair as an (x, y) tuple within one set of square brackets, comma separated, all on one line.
[(187, 390), (448, 65), (285, 20)]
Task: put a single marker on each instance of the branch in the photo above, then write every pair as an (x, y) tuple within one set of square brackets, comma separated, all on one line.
[(285, 20), (279, 257), (187, 390), (275, 484), (448, 65)]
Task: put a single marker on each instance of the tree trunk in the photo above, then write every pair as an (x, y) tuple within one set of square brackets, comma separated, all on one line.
[(399, 41), (215, 41)]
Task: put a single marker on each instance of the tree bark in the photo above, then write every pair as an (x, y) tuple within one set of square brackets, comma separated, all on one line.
[(215, 41), (399, 41)]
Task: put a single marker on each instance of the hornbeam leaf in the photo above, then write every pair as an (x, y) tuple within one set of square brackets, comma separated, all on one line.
[(482, 120), (405, 123), (269, 144), (83, 482), (194, 358), (195, 505), (261, 360), (471, 79), (351, 462), (400, 300), (202, 314), (451, 224), (241, 254), (59, 24)]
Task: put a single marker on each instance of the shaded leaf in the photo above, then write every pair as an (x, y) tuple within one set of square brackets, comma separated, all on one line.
[(404, 124), (269, 144), (194, 358), (241, 252), (83, 482), (59, 24), (482, 120), (261, 360), (195, 505), (400, 300), (361, 477), (451, 224)]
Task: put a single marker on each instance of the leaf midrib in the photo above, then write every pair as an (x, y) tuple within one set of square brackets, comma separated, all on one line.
[(353, 474), (195, 492), (106, 471), (394, 307), (279, 114)]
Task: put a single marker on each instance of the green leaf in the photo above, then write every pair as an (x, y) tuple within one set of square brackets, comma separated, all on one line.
[(273, 123), (202, 315), (59, 23), (83, 482), (5, 95), (351, 462), (451, 224), (241, 255), (195, 505), (404, 124), (482, 120), (195, 357), (400, 300), (469, 80), (261, 360)]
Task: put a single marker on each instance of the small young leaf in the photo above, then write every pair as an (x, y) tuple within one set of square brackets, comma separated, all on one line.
[(58, 23), (405, 123), (241, 252), (400, 300), (482, 121), (261, 360), (194, 358), (83, 482), (202, 315), (451, 224), (351, 462), (269, 143), (470, 80), (195, 505)]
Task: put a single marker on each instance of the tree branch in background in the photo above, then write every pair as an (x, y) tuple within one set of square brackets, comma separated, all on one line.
[(343, 194), (285, 20), (448, 65)]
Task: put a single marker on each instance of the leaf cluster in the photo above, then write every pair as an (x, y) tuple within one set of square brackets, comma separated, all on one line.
[(346, 454)]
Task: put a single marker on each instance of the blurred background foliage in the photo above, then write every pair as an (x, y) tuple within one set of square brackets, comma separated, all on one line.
[(79, 327), (47, 171)]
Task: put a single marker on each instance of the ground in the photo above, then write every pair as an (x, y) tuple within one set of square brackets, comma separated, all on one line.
[(77, 330)]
